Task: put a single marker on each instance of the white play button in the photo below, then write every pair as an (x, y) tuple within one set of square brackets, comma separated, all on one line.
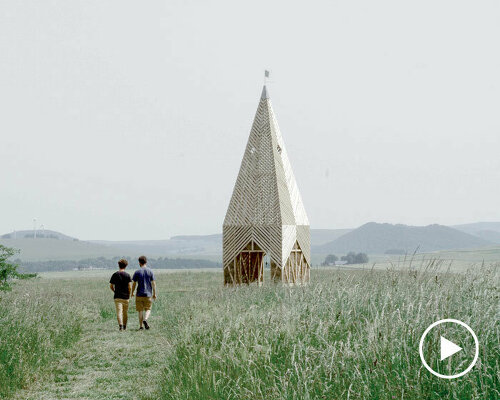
[(448, 348)]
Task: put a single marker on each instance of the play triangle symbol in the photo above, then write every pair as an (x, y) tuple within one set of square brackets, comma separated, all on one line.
[(448, 348)]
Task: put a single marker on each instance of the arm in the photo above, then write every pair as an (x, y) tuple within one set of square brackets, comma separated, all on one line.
[(153, 284), (133, 289), (112, 287), (129, 287)]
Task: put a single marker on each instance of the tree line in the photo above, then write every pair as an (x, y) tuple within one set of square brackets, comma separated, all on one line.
[(109, 263), (350, 258)]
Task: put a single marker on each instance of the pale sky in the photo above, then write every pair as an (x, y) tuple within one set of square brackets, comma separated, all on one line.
[(128, 120)]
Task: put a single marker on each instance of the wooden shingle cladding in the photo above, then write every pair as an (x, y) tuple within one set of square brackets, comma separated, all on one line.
[(266, 210)]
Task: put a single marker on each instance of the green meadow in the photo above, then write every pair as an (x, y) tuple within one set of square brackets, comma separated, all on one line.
[(349, 334)]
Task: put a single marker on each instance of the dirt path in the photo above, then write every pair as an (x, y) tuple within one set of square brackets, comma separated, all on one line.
[(107, 364)]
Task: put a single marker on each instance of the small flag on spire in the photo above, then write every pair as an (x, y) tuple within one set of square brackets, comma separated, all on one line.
[(266, 73)]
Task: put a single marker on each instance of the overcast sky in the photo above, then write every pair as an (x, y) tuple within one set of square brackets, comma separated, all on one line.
[(128, 119)]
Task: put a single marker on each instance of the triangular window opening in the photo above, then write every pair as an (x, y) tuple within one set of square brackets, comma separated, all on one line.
[(252, 246)]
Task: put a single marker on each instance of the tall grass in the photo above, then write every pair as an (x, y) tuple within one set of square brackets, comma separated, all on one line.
[(347, 335), (37, 322)]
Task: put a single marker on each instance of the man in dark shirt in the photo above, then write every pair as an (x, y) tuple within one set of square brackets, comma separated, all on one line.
[(144, 279), (121, 284)]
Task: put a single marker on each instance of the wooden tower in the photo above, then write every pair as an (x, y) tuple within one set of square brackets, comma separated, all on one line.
[(266, 219)]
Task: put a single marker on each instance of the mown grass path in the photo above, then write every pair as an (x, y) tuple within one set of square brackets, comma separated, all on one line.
[(103, 363), (107, 363)]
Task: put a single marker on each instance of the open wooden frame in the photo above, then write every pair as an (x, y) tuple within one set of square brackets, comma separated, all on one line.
[(247, 266), (296, 270)]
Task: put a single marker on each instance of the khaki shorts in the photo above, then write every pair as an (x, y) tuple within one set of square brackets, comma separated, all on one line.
[(143, 303)]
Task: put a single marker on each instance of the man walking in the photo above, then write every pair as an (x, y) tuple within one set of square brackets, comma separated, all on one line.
[(121, 284), (144, 279)]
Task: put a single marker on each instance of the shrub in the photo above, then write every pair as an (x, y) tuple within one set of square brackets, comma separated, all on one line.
[(8, 270), (353, 258), (330, 259)]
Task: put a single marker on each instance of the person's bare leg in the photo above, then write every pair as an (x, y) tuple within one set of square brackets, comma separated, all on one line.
[(119, 315), (141, 318), (146, 316)]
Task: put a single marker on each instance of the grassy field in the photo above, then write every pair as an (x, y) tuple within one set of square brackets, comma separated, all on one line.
[(350, 334)]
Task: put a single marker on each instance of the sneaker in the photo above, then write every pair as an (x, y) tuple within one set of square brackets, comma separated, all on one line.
[(124, 327), (141, 328), (146, 324), (121, 327)]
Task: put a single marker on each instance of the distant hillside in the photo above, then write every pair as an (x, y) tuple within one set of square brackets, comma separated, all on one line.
[(40, 234), (322, 236), (478, 226), (371, 238), (202, 245), (374, 238), (181, 245), (492, 236), (53, 249), (177, 245)]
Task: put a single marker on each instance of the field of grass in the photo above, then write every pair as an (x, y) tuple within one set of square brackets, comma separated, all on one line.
[(37, 323), (349, 334)]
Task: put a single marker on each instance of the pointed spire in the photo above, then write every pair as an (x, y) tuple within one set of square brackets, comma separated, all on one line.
[(265, 94), (266, 208)]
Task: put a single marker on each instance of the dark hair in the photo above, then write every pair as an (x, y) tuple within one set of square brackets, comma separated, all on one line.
[(122, 263), (142, 260)]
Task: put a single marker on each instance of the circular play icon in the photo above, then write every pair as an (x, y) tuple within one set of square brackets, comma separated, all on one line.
[(449, 348)]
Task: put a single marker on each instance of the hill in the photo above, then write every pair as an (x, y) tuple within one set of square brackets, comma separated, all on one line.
[(476, 227), (487, 230), (322, 236), (492, 236), (206, 245), (374, 238), (53, 249), (52, 245), (371, 238), (40, 234), (202, 245)]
